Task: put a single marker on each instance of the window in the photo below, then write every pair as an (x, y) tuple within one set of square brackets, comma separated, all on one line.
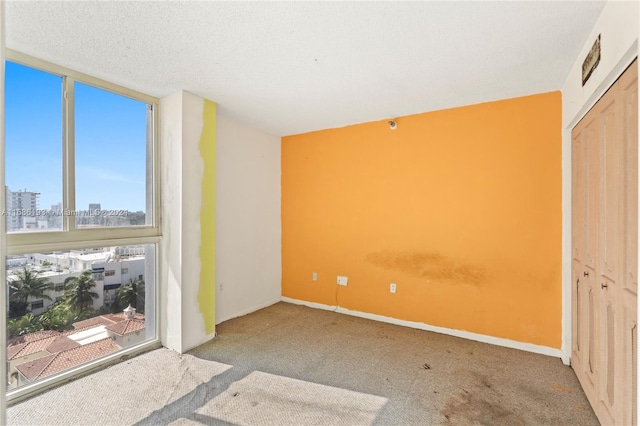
[(108, 125), (85, 304), (31, 197), (112, 287), (91, 157), (81, 200), (124, 271)]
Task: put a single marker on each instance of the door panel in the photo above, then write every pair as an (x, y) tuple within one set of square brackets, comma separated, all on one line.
[(628, 295), (610, 151), (592, 360), (579, 198), (630, 204), (592, 160), (609, 244), (578, 241)]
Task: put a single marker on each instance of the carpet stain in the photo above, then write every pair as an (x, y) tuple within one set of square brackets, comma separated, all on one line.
[(430, 266), (475, 408), (560, 388), (479, 405)]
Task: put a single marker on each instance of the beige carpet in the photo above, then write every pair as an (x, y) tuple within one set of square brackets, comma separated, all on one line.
[(291, 365)]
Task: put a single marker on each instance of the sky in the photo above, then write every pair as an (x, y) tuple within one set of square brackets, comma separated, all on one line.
[(110, 138)]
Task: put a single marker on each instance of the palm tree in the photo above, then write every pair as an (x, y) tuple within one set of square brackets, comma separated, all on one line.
[(78, 295), (28, 284), (132, 294)]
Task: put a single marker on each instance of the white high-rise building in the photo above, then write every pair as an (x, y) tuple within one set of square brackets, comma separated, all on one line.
[(21, 209)]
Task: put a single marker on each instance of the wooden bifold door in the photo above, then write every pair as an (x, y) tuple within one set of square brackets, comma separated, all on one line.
[(605, 251)]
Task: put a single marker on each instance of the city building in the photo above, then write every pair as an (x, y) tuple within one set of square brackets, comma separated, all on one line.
[(21, 210), (110, 270)]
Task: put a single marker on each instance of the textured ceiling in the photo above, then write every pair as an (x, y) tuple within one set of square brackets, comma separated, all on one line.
[(293, 67)]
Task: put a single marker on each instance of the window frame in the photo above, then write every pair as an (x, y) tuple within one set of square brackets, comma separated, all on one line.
[(70, 237), (19, 241)]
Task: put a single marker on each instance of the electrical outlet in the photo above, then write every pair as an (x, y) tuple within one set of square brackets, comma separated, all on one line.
[(220, 286), (314, 276), (392, 288), (342, 280)]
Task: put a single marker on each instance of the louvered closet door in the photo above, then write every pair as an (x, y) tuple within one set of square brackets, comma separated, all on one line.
[(605, 251)]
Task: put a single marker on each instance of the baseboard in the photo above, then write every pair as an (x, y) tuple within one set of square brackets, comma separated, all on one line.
[(498, 341), (248, 310)]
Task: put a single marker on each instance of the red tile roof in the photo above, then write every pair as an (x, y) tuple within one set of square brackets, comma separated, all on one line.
[(61, 343), (37, 335), (127, 326), (32, 369), (64, 360), (75, 330), (33, 347), (92, 322), (53, 344), (13, 350), (120, 316)]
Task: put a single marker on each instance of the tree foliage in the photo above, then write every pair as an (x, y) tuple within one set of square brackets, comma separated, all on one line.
[(27, 284), (132, 294), (79, 294), (26, 324), (59, 317)]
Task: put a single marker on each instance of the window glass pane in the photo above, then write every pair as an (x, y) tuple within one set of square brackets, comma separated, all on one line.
[(33, 149), (65, 311), (112, 133)]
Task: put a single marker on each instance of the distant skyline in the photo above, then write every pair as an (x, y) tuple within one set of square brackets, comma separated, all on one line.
[(110, 137)]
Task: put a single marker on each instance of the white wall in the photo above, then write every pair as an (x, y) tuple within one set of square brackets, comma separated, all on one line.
[(248, 225), (618, 27), (182, 124), (171, 183), (193, 326)]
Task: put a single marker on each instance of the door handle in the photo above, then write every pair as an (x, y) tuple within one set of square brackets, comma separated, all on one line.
[(603, 286), (586, 273)]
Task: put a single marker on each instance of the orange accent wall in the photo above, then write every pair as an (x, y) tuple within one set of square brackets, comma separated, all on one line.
[(461, 208)]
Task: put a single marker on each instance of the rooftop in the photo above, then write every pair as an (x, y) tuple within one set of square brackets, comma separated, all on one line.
[(69, 358), (56, 351), (92, 322), (127, 326), (47, 340), (90, 334)]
